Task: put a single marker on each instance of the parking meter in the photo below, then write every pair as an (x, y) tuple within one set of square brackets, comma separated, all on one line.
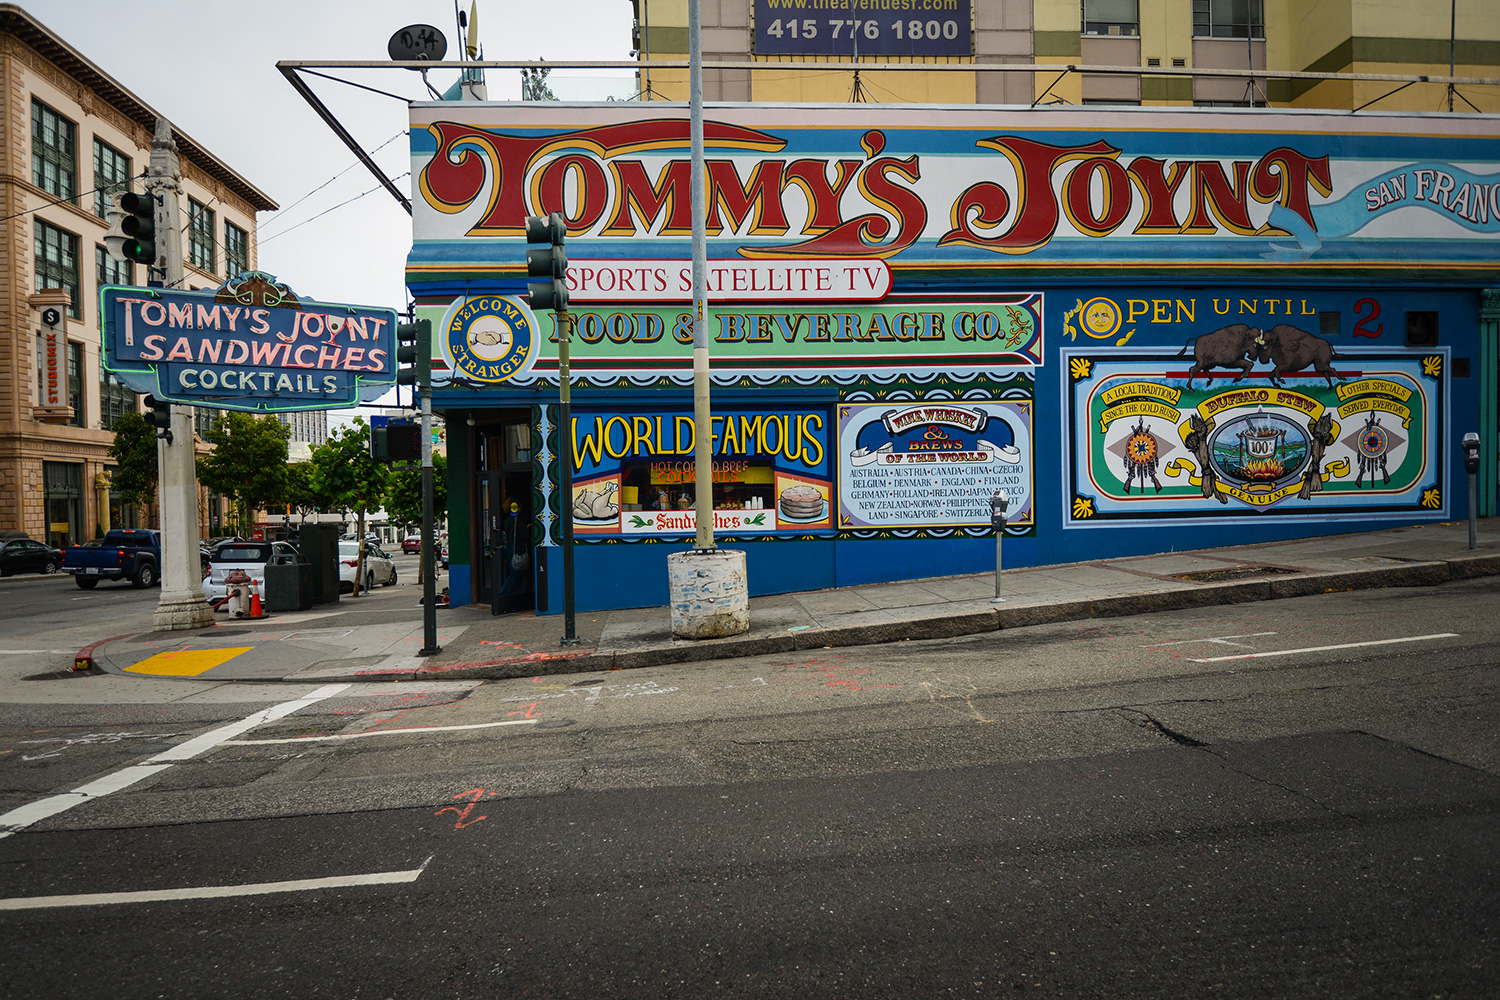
[(998, 504), (1471, 453), (1001, 500), (1471, 466)]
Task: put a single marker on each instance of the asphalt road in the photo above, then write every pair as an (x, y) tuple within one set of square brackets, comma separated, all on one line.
[(1093, 809)]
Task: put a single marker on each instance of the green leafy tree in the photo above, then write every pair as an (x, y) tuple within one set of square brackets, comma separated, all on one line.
[(403, 501), (534, 85), (134, 452), (345, 474), (248, 464), (301, 496)]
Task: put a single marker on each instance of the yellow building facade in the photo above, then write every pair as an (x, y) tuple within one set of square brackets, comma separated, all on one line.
[(1356, 37)]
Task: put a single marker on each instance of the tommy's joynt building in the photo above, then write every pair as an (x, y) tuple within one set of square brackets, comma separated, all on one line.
[(1150, 328)]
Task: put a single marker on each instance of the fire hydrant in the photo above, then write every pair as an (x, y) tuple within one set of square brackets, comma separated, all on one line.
[(236, 593)]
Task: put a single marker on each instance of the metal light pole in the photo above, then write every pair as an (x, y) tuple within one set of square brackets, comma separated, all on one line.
[(429, 548), (565, 472), (708, 586), (703, 463)]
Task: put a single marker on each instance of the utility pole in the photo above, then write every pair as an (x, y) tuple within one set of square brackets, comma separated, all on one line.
[(429, 544), (707, 585), (181, 605)]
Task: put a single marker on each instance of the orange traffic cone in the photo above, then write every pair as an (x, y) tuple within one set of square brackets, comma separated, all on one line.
[(255, 611)]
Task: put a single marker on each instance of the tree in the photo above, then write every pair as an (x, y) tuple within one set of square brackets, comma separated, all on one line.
[(300, 493), (403, 501), (345, 473), (534, 84), (248, 463), (134, 451)]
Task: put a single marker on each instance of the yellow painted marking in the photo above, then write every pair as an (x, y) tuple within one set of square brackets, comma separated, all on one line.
[(186, 662)]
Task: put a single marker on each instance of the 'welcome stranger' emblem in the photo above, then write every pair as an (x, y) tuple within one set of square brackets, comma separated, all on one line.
[(490, 338)]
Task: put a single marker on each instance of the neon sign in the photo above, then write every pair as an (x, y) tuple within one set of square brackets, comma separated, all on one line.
[(249, 345)]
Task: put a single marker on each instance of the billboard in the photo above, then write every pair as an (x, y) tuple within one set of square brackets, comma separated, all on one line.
[(249, 345), (863, 27)]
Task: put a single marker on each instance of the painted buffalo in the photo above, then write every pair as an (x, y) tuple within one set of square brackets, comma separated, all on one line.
[(1292, 350), (1234, 346)]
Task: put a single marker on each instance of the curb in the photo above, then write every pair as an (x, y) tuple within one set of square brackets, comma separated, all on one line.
[(935, 626), (84, 658)]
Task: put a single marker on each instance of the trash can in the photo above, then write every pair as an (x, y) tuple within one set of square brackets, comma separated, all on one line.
[(320, 546), (289, 585)]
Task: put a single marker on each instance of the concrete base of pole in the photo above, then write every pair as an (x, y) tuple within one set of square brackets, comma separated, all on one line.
[(710, 594), (179, 612)]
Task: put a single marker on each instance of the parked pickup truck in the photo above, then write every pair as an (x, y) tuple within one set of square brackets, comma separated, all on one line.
[(132, 554)]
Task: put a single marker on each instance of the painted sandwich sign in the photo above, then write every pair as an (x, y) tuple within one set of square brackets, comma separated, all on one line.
[(249, 345)]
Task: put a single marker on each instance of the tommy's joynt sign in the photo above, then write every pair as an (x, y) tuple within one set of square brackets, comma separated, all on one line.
[(249, 345)]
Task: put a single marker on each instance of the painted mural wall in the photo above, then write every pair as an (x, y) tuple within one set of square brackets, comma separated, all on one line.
[(1119, 319)]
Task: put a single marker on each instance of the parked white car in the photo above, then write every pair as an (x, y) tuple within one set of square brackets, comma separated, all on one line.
[(251, 557), (378, 566)]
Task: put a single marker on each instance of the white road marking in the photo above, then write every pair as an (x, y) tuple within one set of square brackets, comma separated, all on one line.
[(24, 816), (381, 732), (1223, 640), (1320, 649), (32, 652), (210, 891)]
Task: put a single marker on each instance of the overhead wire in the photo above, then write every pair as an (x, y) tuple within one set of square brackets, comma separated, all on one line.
[(266, 239), (70, 201)]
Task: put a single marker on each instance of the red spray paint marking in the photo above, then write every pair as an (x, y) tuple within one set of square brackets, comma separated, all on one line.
[(473, 795)]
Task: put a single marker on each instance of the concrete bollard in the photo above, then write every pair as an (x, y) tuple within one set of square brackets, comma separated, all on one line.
[(710, 594)]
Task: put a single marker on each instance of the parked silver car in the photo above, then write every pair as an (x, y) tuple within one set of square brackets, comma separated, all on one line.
[(251, 557), (379, 568)]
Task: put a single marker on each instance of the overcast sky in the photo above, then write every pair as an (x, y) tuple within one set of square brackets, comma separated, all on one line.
[(210, 67)]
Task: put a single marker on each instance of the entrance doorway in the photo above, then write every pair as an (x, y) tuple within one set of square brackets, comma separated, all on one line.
[(504, 561)]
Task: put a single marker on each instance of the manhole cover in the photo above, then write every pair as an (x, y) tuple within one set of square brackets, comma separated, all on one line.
[(1231, 573), (554, 723), (232, 631)]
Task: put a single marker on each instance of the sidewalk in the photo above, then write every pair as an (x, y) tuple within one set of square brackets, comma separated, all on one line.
[(378, 638)]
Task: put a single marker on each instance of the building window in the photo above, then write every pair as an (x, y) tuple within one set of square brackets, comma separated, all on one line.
[(1229, 19), (110, 270), (200, 236), (62, 486), (204, 420), (236, 250), (54, 152), (57, 264), (1111, 17), (111, 177), (75, 383), (115, 399)]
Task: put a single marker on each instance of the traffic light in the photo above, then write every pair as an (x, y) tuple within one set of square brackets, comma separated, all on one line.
[(396, 441), (404, 441), (135, 239), (158, 414), (547, 265), (414, 353)]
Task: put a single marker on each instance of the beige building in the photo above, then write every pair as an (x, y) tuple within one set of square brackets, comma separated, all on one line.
[(71, 137), (1365, 37)]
